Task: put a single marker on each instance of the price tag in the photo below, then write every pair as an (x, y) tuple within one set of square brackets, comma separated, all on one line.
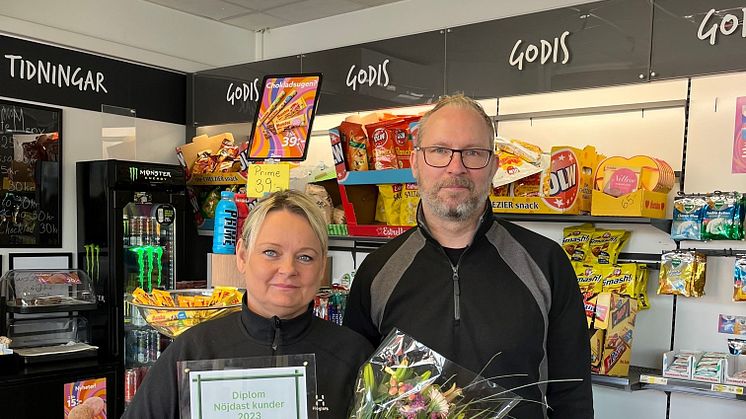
[(724, 388), (267, 178), (652, 379)]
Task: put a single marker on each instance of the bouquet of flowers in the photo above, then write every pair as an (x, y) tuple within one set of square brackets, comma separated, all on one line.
[(405, 379)]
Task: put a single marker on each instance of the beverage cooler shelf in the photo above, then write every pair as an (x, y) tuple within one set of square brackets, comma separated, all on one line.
[(676, 385)]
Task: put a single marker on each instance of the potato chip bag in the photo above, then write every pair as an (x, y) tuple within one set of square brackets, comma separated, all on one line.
[(590, 278), (389, 204), (576, 241), (403, 140), (605, 246), (382, 141), (408, 207), (356, 146), (528, 186)]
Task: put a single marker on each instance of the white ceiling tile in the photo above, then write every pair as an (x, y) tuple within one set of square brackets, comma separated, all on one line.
[(307, 10), (262, 5), (371, 3), (256, 21), (213, 9)]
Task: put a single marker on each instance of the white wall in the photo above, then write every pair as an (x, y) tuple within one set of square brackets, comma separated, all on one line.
[(391, 20), (130, 29), (81, 140)]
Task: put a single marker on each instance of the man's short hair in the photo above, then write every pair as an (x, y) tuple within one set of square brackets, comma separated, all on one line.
[(461, 101)]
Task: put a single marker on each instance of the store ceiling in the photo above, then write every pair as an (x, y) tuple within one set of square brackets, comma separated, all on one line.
[(266, 14)]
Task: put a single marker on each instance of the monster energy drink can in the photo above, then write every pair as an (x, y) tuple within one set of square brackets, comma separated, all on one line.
[(126, 229)]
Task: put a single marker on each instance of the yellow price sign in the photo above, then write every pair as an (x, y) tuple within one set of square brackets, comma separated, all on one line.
[(267, 178)]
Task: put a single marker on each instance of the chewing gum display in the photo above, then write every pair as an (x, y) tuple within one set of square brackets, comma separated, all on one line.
[(576, 241), (710, 367), (682, 365), (739, 279), (688, 212), (605, 246), (682, 273)]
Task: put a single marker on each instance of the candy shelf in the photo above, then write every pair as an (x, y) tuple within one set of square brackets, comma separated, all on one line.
[(629, 383), (661, 224), (675, 385)]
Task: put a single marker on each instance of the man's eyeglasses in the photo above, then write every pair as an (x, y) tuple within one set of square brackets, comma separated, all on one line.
[(471, 158)]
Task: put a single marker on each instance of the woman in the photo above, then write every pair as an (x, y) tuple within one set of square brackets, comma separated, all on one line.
[(281, 254)]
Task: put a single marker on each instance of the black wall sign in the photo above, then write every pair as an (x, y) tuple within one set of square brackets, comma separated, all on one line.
[(594, 44), (30, 175), (43, 73), (698, 37), (229, 94), (391, 73)]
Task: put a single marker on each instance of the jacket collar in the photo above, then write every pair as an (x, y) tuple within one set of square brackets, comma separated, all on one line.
[(485, 222), (263, 329)]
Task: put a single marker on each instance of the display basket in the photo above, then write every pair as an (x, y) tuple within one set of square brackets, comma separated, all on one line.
[(173, 321)]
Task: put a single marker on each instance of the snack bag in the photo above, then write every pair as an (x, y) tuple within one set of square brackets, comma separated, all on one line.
[(526, 151), (620, 279), (576, 241), (388, 205), (606, 245), (641, 287), (382, 139), (403, 140), (408, 207), (739, 279), (688, 212), (356, 144), (590, 279), (528, 186)]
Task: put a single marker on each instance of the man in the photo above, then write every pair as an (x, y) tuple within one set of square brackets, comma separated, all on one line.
[(485, 294)]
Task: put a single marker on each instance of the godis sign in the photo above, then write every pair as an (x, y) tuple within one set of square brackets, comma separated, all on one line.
[(729, 23), (545, 52)]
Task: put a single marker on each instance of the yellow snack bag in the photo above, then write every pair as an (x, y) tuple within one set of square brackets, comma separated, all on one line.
[(141, 297), (606, 245), (642, 287), (163, 298), (590, 278), (620, 279), (389, 197), (576, 241), (408, 207)]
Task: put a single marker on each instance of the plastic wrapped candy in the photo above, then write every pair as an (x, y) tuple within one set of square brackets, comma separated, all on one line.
[(723, 217), (687, 218), (682, 273), (406, 379)]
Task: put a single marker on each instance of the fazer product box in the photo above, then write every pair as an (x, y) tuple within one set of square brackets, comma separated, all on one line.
[(565, 187)]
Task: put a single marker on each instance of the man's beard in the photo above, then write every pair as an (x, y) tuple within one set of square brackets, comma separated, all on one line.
[(463, 210)]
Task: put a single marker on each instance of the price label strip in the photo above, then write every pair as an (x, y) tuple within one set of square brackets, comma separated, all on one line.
[(724, 388), (264, 179), (652, 379)]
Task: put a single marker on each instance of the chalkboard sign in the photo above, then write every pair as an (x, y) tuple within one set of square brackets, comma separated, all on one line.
[(30, 175)]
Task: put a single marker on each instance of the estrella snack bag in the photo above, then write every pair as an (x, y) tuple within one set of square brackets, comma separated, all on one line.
[(382, 144), (408, 207), (576, 241), (403, 139), (606, 245), (389, 209), (356, 145)]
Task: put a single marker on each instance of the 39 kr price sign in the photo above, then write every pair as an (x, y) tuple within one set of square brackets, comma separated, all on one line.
[(267, 178)]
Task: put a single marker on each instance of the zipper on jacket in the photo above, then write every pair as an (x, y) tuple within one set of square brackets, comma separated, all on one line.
[(276, 339), (456, 295)]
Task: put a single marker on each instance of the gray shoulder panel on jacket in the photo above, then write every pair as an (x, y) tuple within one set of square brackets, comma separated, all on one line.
[(388, 277), (524, 266)]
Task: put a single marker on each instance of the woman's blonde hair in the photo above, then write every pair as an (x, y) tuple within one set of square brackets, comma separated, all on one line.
[(289, 200)]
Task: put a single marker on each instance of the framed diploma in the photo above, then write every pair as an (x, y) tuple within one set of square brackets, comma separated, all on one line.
[(284, 117), (278, 387)]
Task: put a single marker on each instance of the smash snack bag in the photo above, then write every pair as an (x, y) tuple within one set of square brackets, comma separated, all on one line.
[(576, 241)]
